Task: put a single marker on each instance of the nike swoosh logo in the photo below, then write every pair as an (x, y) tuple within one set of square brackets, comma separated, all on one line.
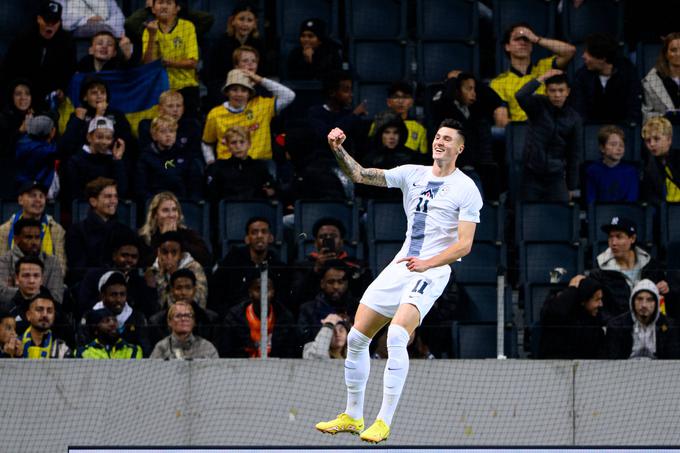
[(394, 369)]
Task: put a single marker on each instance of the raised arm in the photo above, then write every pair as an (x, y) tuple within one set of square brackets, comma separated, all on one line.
[(357, 173)]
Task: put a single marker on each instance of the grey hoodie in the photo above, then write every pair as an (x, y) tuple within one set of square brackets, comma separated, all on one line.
[(644, 337)]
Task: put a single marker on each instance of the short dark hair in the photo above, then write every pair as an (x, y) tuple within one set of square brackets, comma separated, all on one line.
[(122, 239), (400, 85), (25, 223), (508, 33), (171, 236), (331, 81), (602, 45), (44, 293), (97, 185), (183, 273), (28, 260), (453, 124), (323, 221), (257, 219), (103, 33), (90, 82), (335, 264), (557, 79)]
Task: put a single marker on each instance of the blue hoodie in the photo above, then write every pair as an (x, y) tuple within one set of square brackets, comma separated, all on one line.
[(35, 160)]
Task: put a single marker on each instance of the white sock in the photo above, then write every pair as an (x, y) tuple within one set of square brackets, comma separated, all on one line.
[(395, 371), (357, 367)]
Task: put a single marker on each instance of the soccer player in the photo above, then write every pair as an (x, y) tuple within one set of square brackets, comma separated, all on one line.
[(442, 206)]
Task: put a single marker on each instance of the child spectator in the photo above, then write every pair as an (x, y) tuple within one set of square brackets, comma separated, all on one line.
[(10, 345), (165, 166), (189, 130), (316, 56), (36, 153), (242, 30), (661, 179), (173, 40), (244, 57), (240, 177), (244, 108), (400, 101), (101, 157), (94, 98), (13, 116), (610, 179), (136, 22), (86, 18), (103, 53)]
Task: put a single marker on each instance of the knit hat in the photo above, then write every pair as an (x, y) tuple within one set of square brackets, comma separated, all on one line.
[(238, 77), (94, 317), (316, 26)]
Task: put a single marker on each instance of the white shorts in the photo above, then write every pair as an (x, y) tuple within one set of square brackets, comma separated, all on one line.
[(397, 285)]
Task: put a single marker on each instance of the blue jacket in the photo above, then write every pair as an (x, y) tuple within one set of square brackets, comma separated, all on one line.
[(35, 160)]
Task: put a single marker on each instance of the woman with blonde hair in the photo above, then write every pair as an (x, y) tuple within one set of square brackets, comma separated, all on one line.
[(661, 86), (165, 214)]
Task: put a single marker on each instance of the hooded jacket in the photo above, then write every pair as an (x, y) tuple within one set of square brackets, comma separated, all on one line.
[(173, 170), (622, 330), (163, 281)]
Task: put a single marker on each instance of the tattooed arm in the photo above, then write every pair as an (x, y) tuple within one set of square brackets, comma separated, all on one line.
[(357, 173)]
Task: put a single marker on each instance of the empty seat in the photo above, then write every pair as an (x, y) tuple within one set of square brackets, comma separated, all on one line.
[(436, 58), (515, 137), (234, 215), (491, 227), (378, 61), (602, 16), (371, 19), (482, 264), (481, 302), (535, 294), (547, 222), (126, 213), (477, 340), (447, 19), (374, 94), (380, 254), (385, 221), (538, 260), (670, 223), (646, 55), (16, 17), (197, 217), (291, 13)]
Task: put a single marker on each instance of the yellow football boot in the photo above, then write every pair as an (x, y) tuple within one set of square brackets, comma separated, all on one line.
[(342, 424), (377, 432)]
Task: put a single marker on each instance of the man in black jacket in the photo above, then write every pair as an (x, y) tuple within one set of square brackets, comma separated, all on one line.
[(554, 140), (643, 331)]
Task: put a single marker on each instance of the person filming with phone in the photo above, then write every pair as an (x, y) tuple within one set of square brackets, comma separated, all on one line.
[(329, 234)]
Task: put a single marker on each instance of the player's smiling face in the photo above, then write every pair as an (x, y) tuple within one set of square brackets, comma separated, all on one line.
[(446, 144)]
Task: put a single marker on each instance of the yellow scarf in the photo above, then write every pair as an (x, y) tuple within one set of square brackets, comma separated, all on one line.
[(46, 245)]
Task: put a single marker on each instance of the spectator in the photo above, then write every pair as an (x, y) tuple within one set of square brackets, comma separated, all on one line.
[(102, 157), (244, 108), (660, 181), (95, 100), (107, 343), (183, 289), (189, 130), (165, 214), (131, 324), (18, 107), (124, 258), (165, 166), (554, 140), (606, 88), (317, 54), (45, 55), (182, 343), (643, 331), (571, 322), (36, 153), (85, 18), (660, 85), (329, 236), (330, 342), (241, 337), (399, 102), (88, 242), (10, 345), (135, 23), (332, 298), (38, 341), (27, 238), (171, 257), (241, 30), (32, 201), (103, 53), (29, 277), (611, 180), (230, 280), (240, 177), (173, 40), (518, 42), (622, 265)]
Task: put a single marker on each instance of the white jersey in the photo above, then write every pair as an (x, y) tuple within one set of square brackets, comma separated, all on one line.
[(433, 206)]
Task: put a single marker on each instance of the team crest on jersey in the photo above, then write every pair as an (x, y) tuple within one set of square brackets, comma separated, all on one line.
[(177, 42), (414, 135), (427, 194), (249, 114)]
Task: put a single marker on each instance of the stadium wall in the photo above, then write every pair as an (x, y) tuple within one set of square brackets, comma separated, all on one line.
[(50, 405)]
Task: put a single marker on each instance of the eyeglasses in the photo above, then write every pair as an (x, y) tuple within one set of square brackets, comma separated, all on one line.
[(179, 316)]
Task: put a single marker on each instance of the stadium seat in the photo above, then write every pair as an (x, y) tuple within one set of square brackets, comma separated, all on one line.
[(308, 212), (307, 94), (673, 254), (670, 223), (482, 264), (547, 222), (481, 302), (491, 227), (602, 16), (376, 19), (234, 215), (515, 136), (436, 58), (539, 14), (16, 16), (645, 57), (291, 13), (447, 19), (375, 95), (539, 259), (602, 213), (591, 147), (197, 217), (676, 137), (378, 61), (477, 340), (534, 295), (385, 221), (9, 207), (126, 213), (380, 254)]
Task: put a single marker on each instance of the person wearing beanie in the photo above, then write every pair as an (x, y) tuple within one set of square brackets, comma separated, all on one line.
[(571, 322), (107, 343), (643, 331), (317, 54)]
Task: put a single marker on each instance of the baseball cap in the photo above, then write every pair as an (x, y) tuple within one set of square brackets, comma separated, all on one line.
[(94, 317), (50, 11), (238, 77), (100, 122), (27, 186), (39, 125), (316, 26), (111, 278), (620, 224)]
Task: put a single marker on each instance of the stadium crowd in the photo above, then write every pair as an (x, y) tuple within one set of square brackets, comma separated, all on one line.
[(235, 124)]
